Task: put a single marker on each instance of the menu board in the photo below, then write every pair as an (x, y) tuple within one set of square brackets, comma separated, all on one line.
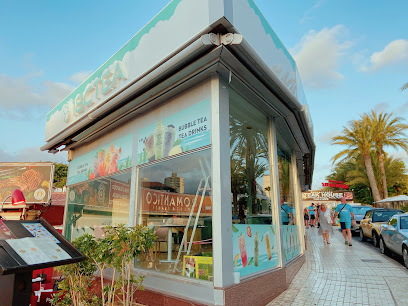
[(5, 232), (39, 231), (28, 245), (37, 250)]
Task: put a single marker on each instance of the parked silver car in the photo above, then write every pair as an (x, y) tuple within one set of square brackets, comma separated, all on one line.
[(394, 236), (359, 213)]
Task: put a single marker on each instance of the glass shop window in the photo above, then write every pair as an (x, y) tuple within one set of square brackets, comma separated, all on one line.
[(253, 234), (290, 230), (95, 204), (174, 200)]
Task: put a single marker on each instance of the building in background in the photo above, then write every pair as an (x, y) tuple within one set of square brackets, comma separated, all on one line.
[(175, 181), (329, 197)]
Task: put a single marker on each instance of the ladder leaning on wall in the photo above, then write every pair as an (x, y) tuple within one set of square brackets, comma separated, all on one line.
[(203, 187)]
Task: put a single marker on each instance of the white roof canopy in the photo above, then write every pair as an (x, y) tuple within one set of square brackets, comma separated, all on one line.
[(400, 198)]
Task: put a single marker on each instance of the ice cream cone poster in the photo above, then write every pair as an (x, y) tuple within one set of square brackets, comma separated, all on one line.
[(254, 248), (186, 130), (291, 243), (110, 158)]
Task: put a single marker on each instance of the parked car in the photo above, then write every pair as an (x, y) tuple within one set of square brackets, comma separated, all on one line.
[(359, 213), (394, 237), (370, 225)]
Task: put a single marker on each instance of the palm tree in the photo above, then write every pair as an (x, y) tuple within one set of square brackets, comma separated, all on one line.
[(237, 181), (249, 146), (353, 173), (357, 137), (395, 170), (284, 178), (387, 131), (342, 169)]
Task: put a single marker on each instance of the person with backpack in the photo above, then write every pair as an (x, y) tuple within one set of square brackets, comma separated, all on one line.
[(345, 211)]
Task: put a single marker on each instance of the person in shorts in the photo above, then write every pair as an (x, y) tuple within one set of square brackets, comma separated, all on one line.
[(306, 217), (345, 211), (311, 209)]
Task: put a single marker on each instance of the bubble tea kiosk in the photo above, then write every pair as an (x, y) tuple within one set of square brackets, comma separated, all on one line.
[(197, 128)]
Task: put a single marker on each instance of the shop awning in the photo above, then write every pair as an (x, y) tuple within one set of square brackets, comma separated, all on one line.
[(400, 198)]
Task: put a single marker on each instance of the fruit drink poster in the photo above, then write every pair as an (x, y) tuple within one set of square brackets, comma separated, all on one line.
[(254, 248), (186, 130), (291, 243), (110, 158)]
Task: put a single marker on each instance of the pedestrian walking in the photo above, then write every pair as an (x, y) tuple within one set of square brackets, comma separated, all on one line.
[(325, 218), (286, 213), (306, 217), (345, 211), (311, 209)]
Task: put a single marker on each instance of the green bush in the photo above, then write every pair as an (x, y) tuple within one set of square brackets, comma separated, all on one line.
[(116, 251), (404, 207)]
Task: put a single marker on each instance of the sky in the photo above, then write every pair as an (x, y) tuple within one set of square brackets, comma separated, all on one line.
[(352, 57)]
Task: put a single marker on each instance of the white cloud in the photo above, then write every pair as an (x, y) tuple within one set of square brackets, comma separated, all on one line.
[(79, 77), (401, 155), (381, 107), (33, 155), (328, 136), (401, 109), (308, 13), (319, 175), (18, 93), (393, 53), (318, 55)]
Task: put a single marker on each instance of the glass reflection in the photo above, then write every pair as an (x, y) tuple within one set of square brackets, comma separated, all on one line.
[(175, 202), (250, 177), (253, 232), (290, 230), (98, 203)]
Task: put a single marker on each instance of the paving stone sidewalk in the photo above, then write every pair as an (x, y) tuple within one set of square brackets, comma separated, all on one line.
[(337, 274)]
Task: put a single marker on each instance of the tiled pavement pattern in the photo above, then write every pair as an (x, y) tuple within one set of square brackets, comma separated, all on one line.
[(337, 275)]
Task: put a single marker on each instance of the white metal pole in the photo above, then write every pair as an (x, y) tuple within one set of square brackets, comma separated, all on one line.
[(298, 203), (221, 186), (275, 193), (133, 197)]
